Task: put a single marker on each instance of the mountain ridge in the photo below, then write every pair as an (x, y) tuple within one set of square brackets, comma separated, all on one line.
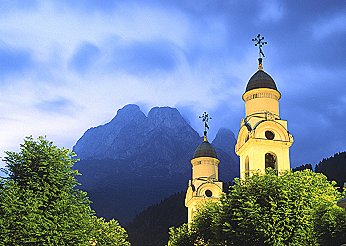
[(147, 157)]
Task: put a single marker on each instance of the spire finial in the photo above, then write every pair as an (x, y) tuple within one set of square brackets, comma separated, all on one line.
[(260, 43), (205, 118)]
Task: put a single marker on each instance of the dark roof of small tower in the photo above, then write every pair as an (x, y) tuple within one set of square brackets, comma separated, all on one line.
[(205, 149), (261, 80)]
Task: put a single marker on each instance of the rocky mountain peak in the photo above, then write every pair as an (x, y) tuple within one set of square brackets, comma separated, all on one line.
[(129, 108), (130, 132), (128, 113), (137, 160), (222, 135), (225, 140), (166, 116)]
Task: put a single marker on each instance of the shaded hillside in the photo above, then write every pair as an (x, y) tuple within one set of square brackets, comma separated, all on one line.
[(334, 168), (151, 226), (117, 192), (135, 161)]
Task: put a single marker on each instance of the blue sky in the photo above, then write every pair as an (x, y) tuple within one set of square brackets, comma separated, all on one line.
[(66, 66)]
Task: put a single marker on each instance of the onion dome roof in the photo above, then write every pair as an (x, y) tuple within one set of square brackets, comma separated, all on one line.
[(261, 80), (205, 149)]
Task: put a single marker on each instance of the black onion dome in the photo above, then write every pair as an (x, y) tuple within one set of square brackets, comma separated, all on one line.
[(261, 80), (205, 149)]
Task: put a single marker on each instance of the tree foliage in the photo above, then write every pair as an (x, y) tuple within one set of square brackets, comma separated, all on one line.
[(39, 201), (181, 236), (109, 233), (294, 209)]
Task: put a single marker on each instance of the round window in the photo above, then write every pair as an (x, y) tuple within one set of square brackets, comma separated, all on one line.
[(269, 135), (208, 193)]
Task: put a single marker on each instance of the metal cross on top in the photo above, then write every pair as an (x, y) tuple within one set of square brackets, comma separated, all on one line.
[(205, 118), (259, 42)]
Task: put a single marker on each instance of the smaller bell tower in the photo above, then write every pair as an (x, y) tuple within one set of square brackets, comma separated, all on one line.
[(263, 139), (205, 184)]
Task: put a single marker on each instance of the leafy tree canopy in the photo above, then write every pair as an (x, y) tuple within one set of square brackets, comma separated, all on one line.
[(108, 233), (297, 208), (40, 204)]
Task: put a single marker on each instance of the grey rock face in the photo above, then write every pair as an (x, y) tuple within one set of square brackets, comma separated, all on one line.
[(99, 142), (152, 141), (225, 140)]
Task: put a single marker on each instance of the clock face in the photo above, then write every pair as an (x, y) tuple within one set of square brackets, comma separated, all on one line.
[(208, 193), (269, 135)]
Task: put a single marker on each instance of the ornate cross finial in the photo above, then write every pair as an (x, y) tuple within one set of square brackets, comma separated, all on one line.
[(205, 118), (260, 43)]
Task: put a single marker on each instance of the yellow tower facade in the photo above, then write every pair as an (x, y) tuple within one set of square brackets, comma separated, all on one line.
[(263, 139), (205, 184)]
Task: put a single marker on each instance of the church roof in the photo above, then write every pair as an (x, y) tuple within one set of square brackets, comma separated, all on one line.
[(261, 80), (205, 149)]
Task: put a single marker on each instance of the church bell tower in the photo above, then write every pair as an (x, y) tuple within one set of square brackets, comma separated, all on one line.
[(205, 174), (263, 139)]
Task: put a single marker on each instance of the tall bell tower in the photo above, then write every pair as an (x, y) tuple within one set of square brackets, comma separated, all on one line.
[(205, 184), (263, 139)]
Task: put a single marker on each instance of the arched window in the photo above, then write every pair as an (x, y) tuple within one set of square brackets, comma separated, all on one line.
[(247, 167), (270, 160)]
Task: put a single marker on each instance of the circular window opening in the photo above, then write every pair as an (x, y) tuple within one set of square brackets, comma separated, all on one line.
[(269, 135), (208, 193)]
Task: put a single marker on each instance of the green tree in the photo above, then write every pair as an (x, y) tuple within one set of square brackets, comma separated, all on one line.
[(292, 209), (181, 236), (109, 233), (330, 225), (39, 201)]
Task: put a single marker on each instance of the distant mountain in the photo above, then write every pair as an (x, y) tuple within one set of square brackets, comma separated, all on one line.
[(161, 140), (224, 143), (136, 160)]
